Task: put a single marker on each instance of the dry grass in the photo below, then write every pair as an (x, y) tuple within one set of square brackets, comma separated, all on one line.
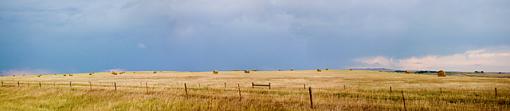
[(333, 90)]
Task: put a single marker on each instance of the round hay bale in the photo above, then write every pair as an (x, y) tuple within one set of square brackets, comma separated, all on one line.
[(114, 73), (246, 71), (441, 73), (215, 72), (319, 70)]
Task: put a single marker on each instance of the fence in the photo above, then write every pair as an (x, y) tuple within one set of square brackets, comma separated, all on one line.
[(114, 86)]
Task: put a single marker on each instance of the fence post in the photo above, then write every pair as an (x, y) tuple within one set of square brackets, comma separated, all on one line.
[(90, 85), (115, 85), (304, 86), (404, 101), (344, 86), (239, 90), (18, 83), (225, 84), (311, 98), (391, 90), (496, 92), (269, 85), (252, 85), (146, 88), (70, 84), (186, 90), (40, 85), (2, 83)]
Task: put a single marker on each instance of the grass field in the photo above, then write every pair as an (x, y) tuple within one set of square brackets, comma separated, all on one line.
[(332, 90)]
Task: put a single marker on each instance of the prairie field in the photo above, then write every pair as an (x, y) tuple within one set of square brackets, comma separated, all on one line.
[(233, 90)]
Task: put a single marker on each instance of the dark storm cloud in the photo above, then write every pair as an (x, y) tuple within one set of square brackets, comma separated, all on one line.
[(77, 36)]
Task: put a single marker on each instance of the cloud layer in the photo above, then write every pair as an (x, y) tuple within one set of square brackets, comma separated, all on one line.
[(472, 60), (199, 35)]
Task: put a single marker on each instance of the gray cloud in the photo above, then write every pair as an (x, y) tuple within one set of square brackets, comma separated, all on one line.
[(232, 34)]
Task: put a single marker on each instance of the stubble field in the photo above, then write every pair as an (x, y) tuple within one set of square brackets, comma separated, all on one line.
[(331, 90)]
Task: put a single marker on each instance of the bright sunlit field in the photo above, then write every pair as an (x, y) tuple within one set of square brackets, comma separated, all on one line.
[(331, 90)]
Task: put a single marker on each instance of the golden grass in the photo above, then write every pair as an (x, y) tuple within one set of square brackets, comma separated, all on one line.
[(332, 90)]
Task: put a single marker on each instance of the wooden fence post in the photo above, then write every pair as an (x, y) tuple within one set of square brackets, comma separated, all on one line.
[(252, 85), (115, 85), (496, 92), (311, 98), (146, 88), (269, 85), (344, 87), (239, 90), (404, 101), (18, 83), (90, 85), (304, 86), (40, 85), (390, 90), (186, 90), (225, 84), (2, 83), (70, 84)]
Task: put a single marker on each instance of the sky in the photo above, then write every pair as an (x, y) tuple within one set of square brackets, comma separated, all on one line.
[(64, 36)]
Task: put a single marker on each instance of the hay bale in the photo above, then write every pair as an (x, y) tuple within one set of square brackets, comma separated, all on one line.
[(326, 69), (114, 73), (215, 72), (39, 75), (246, 71), (441, 73), (319, 70), (154, 72), (291, 69)]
